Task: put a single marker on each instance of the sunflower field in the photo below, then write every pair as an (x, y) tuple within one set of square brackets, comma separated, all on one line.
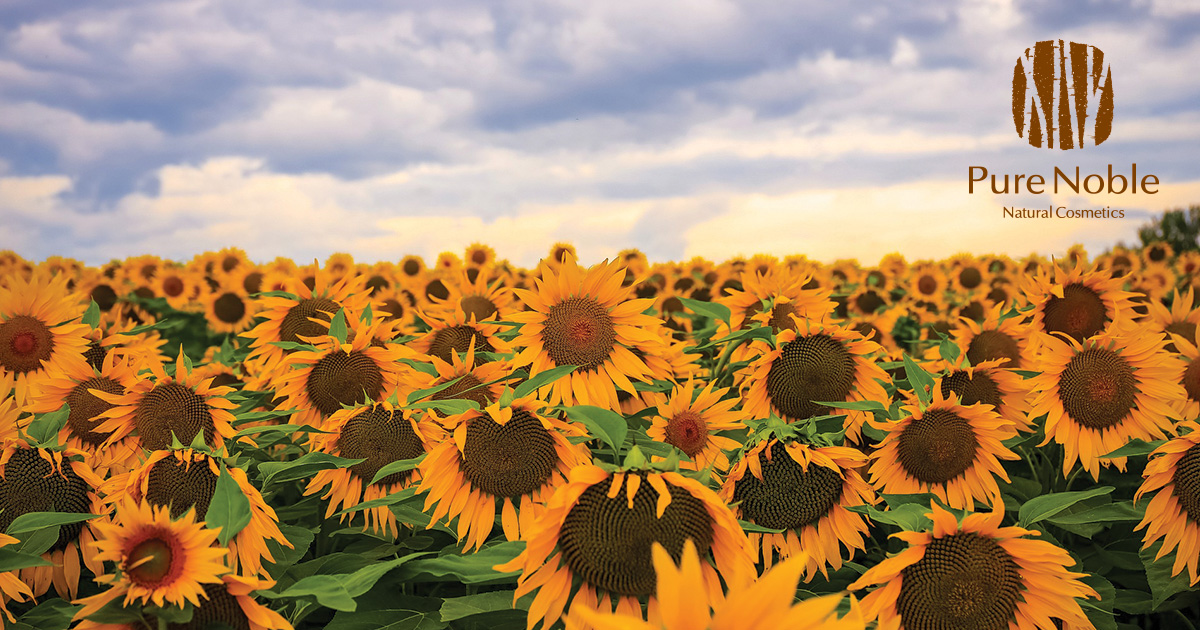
[(975, 443)]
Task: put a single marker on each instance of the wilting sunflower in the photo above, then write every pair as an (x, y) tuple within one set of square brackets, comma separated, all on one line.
[(586, 319), (380, 434), (766, 604), (159, 406), (1079, 303), (977, 575), (1173, 475), (229, 310), (42, 480), (949, 449), (690, 421), (321, 382), (994, 339), (288, 319), (806, 491), (820, 362), (453, 332), (1099, 394), (185, 480), (39, 331), (71, 386), (159, 559), (508, 458), (11, 587), (599, 529)]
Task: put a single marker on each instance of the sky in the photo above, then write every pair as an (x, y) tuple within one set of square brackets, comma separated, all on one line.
[(684, 128)]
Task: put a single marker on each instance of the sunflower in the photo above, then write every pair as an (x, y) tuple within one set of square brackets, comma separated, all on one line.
[(1120, 262), (1099, 394), (39, 331), (482, 383), (987, 383), (820, 362), (586, 319), (1078, 303), (603, 526), (969, 276), (72, 387), (976, 575), (928, 282), (560, 254), (766, 604), (184, 481), (380, 434), (1173, 475), (229, 310), (289, 319), (867, 300), (1187, 268), (1181, 319), (158, 559), (41, 480), (412, 266), (1154, 280), (114, 332), (476, 299), (788, 293), (1189, 351), (995, 338), (322, 381), (178, 285), (11, 586), (1158, 252), (805, 491), (156, 408), (690, 421), (339, 264), (949, 449), (451, 332), (506, 458), (227, 604)]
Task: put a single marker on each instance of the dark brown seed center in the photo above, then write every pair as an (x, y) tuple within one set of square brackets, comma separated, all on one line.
[(579, 331), (230, 308), (970, 390), (381, 437), (149, 562), (964, 582), (1186, 483), (1097, 388), (787, 497), (341, 380), (172, 408), (1079, 313), (30, 484), (810, 369), (688, 432), (938, 447), (181, 486), (24, 343), (296, 322), (508, 460), (457, 339), (993, 344), (85, 407), (477, 306)]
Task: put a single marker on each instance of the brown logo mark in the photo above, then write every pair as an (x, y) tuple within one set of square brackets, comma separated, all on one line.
[(1062, 95)]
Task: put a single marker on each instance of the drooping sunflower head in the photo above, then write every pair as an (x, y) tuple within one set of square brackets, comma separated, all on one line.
[(453, 333), (40, 480), (1173, 475)]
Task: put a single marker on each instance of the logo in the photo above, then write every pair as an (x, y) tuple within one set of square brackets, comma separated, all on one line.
[(1062, 95)]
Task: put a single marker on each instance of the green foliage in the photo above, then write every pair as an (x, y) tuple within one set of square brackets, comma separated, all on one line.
[(1179, 228)]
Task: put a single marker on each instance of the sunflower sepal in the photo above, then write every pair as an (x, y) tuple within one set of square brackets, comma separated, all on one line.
[(91, 316)]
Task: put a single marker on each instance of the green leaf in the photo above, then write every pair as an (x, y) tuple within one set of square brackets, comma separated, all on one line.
[(949, 350), (368, 314), (170, 614), (291, 346), (38, 541), (609, 426), (388, 619), (752, 528), (1158, 574), (1026, 374), (1041, 508), (397, 466), (328, 590), (429, 391), (12, 560), (229, 508), (303, 467), (542, 379), (745, 334), (337, 326), (857, 405), (1135, 448), (458, 607), (390, 500), (909, 517), (450, 407), (34, 521), (43, 430), (91, 317), (473, 568), (711, 310), (919, 379), (53, 613), (1123, 511), (282, 294), (420, 366), (300, 537)]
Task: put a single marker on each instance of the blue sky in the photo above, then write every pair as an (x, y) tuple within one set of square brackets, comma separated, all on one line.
[(702, 127)]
